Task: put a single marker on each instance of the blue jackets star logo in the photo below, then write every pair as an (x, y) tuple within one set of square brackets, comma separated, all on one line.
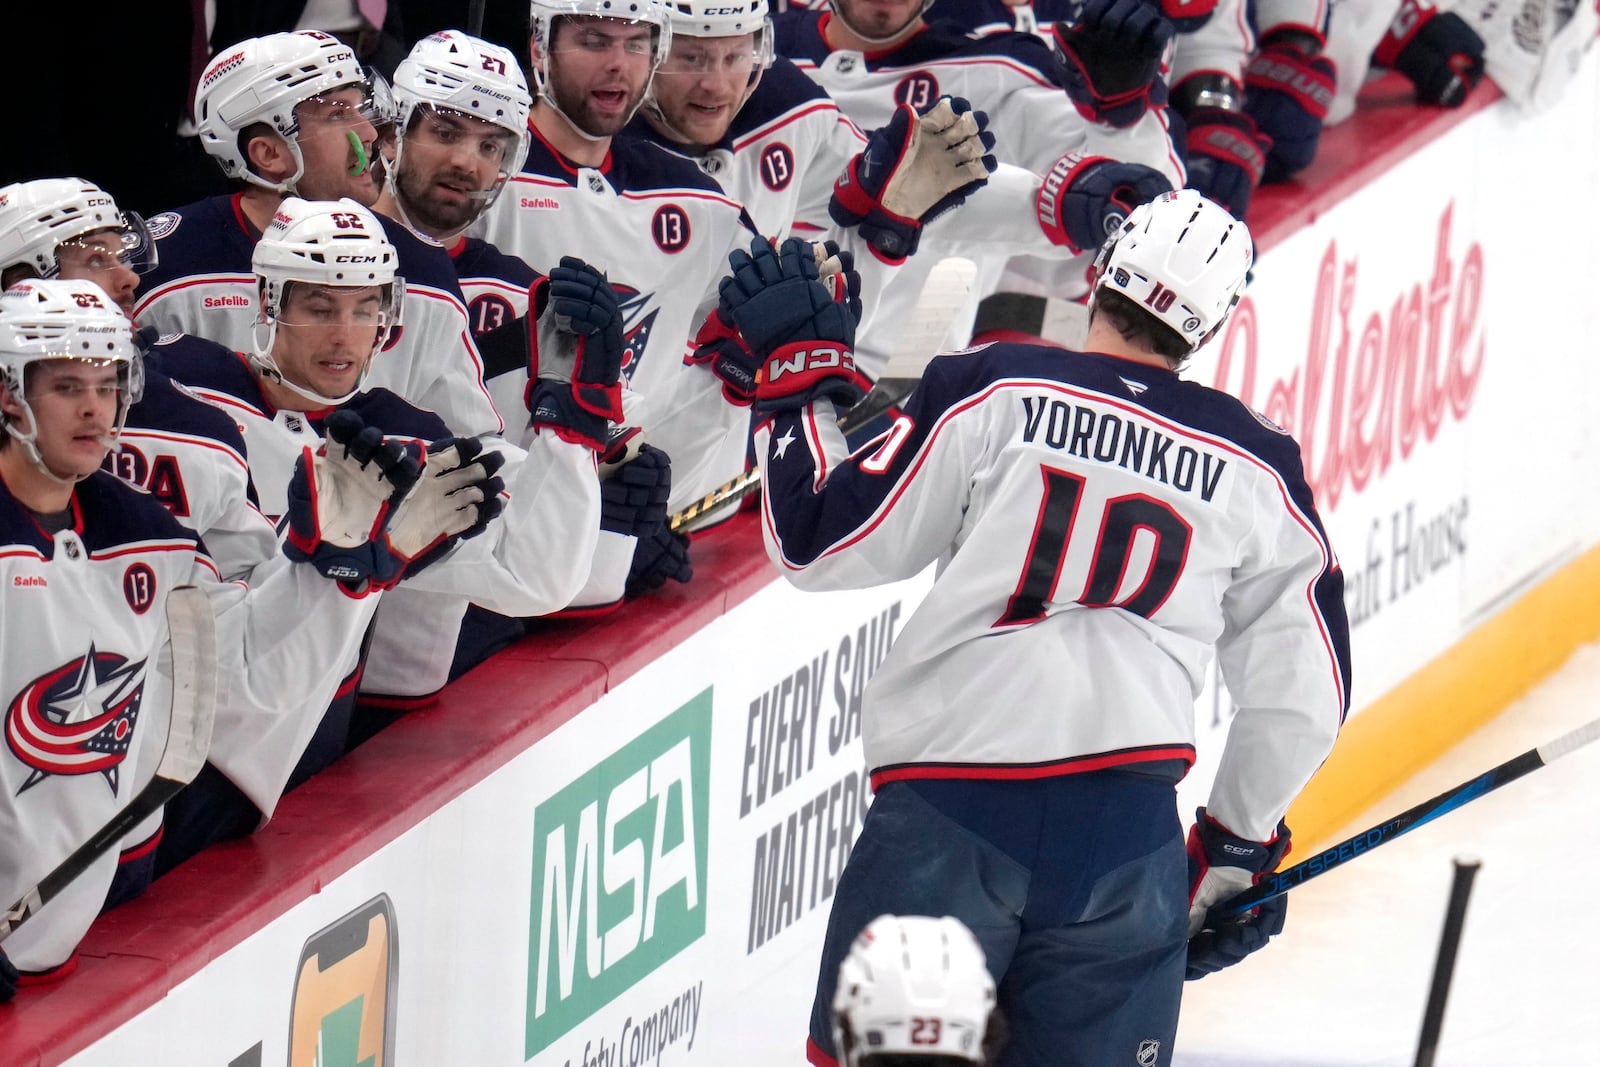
[(78, 718)]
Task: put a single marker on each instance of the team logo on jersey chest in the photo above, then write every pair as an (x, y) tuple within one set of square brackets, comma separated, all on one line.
[(919, 90), (777, 166), (637, 325), (670, 228), (77, 718)]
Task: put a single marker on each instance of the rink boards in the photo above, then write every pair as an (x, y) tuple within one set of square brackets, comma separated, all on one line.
[(617, 842)]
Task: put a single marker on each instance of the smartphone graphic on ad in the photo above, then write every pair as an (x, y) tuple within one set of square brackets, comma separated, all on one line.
[(344, 992)]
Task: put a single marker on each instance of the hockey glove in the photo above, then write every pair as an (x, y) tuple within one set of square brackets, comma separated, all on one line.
[(1437, 51), (719, 347), (340, 499), (456, 499), (790, 320), (575, 366), (1288, 94), (1227, 156), (1084, 199), (1222, 866), (912, 171), (660, 555), (633, 500), (1111, 59), (8, 978)]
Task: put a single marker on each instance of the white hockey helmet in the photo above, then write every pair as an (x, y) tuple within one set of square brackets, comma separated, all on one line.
[(39, 216), (726, 18), (1182, 258), (452, 71), (261, 79), (902, 971), (50, 318), (542, 20), (338, 243)]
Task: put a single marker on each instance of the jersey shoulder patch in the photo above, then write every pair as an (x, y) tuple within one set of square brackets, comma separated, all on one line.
[(163, 224)]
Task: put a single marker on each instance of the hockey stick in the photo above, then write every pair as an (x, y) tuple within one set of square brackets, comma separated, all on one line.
[(194, 703), (1277, 884), (475, 18), (942, 298)]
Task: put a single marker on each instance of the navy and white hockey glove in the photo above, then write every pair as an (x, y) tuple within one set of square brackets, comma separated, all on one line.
[(1227, 156), (912, 171), (1222, 865), (1111, 56), (1084, 199), (1288, 93), (340, 500), (794, 325), (717, 345), (456, 498), (575, 362), (633, 500), (660, 555), (1440, 54)]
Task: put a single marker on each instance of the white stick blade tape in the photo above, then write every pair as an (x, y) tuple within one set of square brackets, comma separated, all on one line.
[(194, 683)]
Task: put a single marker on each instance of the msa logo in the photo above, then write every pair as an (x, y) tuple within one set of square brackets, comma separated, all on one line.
[(619, 873)]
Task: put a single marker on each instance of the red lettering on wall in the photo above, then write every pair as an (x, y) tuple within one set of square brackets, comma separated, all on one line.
[(1365, 396)]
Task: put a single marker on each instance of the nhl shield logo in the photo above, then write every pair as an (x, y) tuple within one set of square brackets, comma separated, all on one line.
[(77, 718), (1149, 1052)]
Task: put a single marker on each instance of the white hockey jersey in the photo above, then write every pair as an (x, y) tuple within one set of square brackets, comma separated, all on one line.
[(191, 457), (1010, 76), (1100, 527), (205, 285), (661, 231), (530, 562), (87, 690)]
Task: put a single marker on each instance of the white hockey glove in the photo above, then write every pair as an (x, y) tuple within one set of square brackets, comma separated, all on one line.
[(341, 498), (456, 498), (912, 171)]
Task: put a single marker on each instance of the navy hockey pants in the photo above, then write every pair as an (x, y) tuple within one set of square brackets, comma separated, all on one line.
[(1076, 886)]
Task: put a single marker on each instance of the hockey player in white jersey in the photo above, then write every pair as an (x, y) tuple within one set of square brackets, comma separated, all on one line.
[(295, 113), (914, 992), (1076, 135), (186, 453), (321, 330), (1102, 528), (659, 229), (88, 566), (462, 132)]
